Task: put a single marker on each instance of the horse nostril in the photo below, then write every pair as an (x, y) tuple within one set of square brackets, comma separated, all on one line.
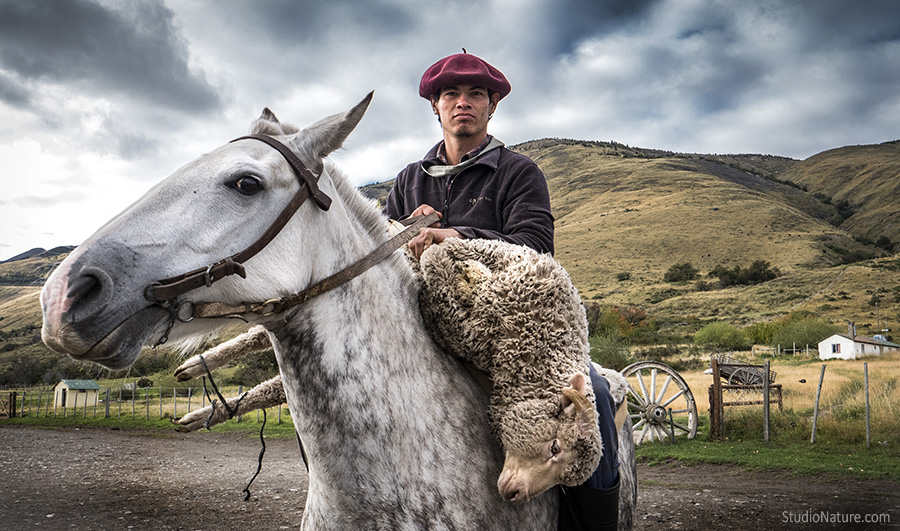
[(89, 293)]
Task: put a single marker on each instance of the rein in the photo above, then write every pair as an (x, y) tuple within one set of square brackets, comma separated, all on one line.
[(165, 292)]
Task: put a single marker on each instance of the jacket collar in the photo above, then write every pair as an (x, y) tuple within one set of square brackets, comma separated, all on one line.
[(489, 156)]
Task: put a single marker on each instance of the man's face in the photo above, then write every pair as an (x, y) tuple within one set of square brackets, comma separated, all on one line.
[(464, 110)]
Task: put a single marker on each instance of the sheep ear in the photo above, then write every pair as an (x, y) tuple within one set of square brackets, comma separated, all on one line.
[(576, 404)]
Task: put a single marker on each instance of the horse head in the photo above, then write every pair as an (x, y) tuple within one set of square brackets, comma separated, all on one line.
[(95, 304)]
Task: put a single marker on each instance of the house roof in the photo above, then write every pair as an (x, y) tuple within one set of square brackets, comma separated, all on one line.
[(869, 340), (81, 384)]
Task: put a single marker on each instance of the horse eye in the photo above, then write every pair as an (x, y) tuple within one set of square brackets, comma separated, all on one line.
[(247, 185)]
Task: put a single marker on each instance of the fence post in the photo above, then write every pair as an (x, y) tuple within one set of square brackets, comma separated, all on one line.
[(812, 439), (716, 409), (160, 401), (174, 402), (133, 393), (240, 391), (766, 403), (107, 403), (868, 430), (190, 392), (22, 414), (147, 401)]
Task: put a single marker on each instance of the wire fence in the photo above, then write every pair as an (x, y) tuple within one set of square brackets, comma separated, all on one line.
[(124, 402)]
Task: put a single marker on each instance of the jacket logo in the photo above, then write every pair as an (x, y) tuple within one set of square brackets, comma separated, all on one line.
[(481, 198)]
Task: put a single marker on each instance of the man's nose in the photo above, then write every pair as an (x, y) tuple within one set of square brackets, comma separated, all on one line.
[(463, 102)]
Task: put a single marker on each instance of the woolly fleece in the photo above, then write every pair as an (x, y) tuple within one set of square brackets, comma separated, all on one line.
[(515, 314)]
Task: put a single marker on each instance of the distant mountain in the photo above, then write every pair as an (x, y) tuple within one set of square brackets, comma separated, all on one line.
[(40, 252)]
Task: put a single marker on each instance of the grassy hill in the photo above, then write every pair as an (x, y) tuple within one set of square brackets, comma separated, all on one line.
[(625, 215), (865, 178)]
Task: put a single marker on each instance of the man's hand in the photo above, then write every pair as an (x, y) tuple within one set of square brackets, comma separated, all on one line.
[(429, 235), (424, 210)]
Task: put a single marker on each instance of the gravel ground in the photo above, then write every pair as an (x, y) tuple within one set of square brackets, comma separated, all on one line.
[(91, 479)]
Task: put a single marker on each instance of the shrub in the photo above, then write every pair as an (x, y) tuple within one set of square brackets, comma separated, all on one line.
[(622, 277), (803, 331), (759, 271), (721, 335), (681, 273), (759, 333), (610, 352)]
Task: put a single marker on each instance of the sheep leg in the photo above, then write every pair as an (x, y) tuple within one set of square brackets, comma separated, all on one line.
[(253, 340), (265, 395)]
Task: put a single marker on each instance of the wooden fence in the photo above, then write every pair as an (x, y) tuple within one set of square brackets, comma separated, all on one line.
[(123, 403)]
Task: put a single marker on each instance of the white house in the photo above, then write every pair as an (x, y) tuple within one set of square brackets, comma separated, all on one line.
[(75, 393), (847, 347)]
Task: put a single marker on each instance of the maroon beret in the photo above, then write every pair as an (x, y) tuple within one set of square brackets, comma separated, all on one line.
[(462, 68)]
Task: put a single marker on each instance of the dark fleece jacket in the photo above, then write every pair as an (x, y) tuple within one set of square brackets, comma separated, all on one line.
[(502, 196)]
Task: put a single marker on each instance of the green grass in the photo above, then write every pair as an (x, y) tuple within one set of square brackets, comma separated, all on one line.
[(836, 461)]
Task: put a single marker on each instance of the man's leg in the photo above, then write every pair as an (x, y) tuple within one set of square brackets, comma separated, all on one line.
[(594, 505)]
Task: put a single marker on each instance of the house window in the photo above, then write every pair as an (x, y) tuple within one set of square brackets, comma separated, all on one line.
[(836, 348)]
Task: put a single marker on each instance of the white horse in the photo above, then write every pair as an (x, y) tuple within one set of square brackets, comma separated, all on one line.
[(396, 432)]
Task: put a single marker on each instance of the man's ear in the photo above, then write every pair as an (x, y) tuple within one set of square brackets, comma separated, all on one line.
[(495, 99), (434, 101)]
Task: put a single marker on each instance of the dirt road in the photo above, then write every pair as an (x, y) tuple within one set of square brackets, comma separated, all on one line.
[(93, 479)]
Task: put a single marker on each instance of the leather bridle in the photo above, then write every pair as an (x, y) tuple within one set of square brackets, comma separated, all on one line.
[(165, 292)]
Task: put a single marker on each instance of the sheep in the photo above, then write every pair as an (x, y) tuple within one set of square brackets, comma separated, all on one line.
[(515, 314)]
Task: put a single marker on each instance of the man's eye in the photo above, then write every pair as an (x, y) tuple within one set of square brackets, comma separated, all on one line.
[(247, 185)]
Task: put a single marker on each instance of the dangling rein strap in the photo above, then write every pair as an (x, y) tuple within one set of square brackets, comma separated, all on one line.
[(272, 306), (170, 288)]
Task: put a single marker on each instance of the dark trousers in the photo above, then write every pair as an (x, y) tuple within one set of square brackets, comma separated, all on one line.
[(594, 505)]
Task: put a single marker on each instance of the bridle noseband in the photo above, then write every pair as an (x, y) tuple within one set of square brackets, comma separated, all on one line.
[(165, 292)]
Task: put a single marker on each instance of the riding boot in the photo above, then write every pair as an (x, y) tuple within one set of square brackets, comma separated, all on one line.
[(583, 508)]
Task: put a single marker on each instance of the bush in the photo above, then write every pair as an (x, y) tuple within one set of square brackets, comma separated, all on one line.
[(681, 273), (610, 352), (759, 333), (759, 271), (803, 331), (721, 335)]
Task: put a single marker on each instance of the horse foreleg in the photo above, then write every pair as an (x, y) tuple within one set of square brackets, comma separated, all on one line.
[(252, 340), (265, 395)]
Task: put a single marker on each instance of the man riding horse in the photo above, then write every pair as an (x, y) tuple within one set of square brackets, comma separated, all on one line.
[(481, 189)]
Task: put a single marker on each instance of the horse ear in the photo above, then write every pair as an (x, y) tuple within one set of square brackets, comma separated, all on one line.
[(327, 135), (268, 124)]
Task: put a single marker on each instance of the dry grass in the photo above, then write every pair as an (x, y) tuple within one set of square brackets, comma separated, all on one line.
[(842, 402)]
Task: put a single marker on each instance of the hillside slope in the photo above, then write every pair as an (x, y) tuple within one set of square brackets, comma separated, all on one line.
[(867, 178)]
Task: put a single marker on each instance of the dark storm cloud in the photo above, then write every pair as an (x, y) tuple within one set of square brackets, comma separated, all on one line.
[(13, 93), (134, 51), (572, 21), (295, 22)]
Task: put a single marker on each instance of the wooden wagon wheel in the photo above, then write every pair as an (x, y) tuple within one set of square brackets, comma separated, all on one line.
[(650, 396)]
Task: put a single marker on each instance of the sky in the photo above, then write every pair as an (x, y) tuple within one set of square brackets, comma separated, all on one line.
[(101, 99)]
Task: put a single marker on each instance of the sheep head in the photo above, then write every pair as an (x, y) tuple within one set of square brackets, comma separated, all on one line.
[(549, 442)]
